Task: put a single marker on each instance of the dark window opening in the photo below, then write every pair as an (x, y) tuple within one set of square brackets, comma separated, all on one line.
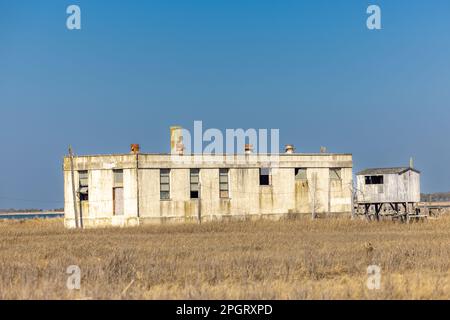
[(194, 182), (374, 179), (265, 177), (84, 196), (194, 194)]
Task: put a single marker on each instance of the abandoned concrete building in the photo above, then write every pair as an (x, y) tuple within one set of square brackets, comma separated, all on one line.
[(137, 188)]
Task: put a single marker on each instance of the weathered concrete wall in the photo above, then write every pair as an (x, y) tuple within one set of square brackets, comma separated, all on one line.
[(341, 192), (150, 205), (179, 207), (302, 197), (100, 193), (69, 213), (247, 198), (130, 193)]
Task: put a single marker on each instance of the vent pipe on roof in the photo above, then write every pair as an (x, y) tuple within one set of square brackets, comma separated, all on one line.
[(289, 148), (411, 162), (135, 148)]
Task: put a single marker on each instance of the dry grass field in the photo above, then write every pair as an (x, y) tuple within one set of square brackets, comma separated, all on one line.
[(292, 259)]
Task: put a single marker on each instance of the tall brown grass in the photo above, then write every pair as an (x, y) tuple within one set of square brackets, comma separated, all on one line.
[(292, 259)]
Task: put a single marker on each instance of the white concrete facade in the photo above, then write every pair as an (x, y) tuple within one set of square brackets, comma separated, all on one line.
[(143, 203)]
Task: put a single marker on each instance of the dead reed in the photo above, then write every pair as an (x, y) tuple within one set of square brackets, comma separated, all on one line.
[(292, 259)]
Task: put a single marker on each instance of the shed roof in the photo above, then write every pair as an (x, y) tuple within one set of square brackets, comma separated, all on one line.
[(375, 171)]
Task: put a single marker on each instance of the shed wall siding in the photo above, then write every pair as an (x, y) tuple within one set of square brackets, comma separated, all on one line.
[(396, 188)]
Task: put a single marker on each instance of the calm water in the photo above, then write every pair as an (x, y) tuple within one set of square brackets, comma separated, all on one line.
[(23, 216)]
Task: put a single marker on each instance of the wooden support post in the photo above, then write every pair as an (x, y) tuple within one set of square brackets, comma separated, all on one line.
[(353, 205), (80, 215), (377, 211), (74, 193), (398, 213), (329, 195), (366, 211), (199, 217), (406, 212), (314, 185)]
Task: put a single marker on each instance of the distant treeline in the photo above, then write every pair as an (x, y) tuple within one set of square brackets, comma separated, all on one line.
[(435, 197), (29, 210)]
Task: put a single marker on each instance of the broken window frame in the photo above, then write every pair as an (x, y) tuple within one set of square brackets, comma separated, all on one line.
[(194, 182), (336, 174), (83, 185), (265, 176), (118, 178), (301, 174), (224, 185), (164, 184)]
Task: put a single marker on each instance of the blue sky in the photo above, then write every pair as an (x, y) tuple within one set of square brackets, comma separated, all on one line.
[(310, 68)]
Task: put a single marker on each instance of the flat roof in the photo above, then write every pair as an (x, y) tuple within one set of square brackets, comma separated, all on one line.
[(218, 154), (379, 171)]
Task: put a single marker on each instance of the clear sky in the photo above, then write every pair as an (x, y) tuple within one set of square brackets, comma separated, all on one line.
[(310, 68)]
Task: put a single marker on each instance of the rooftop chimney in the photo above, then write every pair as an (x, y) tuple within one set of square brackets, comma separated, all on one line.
[(289, 148), (248, 148), (176, 140), (411, 162), (135, 148)]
